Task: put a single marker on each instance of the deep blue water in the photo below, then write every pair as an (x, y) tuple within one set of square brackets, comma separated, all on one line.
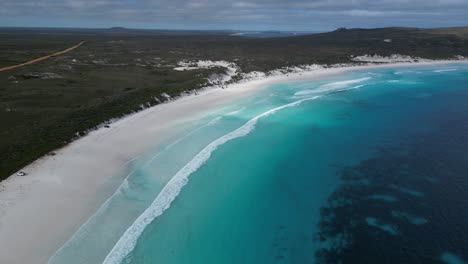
[(366, 167)]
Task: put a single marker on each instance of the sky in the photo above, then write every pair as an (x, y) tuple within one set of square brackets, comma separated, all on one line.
[(286, 15)]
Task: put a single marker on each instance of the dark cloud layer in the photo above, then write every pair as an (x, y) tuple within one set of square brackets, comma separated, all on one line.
[(247, 14)]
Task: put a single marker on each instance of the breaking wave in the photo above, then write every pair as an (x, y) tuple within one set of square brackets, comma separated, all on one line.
[(334, 87), (445, 70), (121, 190), (172, 189)]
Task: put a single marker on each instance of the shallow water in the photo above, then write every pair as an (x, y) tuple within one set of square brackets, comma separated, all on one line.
[(303, 172)]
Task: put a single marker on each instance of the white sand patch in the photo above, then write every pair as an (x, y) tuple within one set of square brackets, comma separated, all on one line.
[(204, 64), (215, 79), (395, 58)]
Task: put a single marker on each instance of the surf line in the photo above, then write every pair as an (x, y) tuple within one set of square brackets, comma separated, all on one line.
[(163, 201), (83, 228)]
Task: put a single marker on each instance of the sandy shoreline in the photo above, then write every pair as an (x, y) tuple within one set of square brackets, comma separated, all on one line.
[(39, 212)]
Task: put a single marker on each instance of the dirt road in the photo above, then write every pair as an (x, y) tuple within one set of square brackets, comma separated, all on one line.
[(41, 58)]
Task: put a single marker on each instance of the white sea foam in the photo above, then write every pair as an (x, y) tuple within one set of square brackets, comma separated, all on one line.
[(305, 92), (172, 189), (445, 70), (344, 83), (235, 112), (357, 86), (121, 190), (334, 87)]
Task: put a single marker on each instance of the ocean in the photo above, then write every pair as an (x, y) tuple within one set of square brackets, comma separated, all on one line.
[(370, 166)]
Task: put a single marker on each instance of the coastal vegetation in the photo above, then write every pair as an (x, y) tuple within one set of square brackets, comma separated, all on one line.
[(45, 105)]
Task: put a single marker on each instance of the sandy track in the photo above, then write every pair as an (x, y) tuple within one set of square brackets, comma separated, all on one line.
[(41, 58)]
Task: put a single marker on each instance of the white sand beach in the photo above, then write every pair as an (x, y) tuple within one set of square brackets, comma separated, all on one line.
[(39, 212)]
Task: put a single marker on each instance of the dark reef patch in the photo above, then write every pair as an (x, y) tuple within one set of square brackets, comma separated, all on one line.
[(406, 204)]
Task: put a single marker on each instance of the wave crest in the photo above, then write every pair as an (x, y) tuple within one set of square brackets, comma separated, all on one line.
[(163, 201), (334, 87)]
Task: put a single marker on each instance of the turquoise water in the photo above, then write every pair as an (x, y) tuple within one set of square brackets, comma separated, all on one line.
[(254, 181)]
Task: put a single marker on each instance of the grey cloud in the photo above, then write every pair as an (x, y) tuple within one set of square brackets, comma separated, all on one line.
[(272, 13)]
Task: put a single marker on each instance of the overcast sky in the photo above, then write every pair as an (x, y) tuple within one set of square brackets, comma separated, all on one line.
[(300, 15)]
